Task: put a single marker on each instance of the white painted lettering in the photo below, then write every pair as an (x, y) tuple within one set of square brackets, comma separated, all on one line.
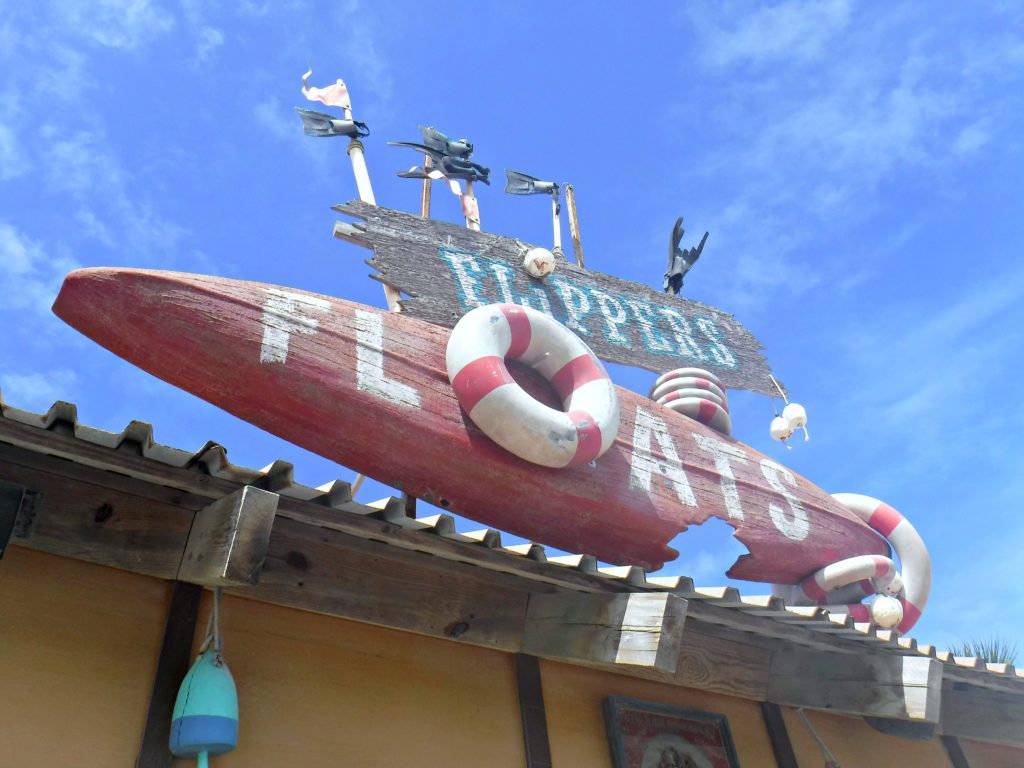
[(642, 463), (283, 316), (462, 263), (687, 345), (576, 304), (370, 363), (798, 526), (653, 340), (614, 315), (721, 453), (719, 351), (504, 273)]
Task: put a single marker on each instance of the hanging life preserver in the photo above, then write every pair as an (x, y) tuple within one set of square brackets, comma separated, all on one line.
[(834, 585), (477, 349)]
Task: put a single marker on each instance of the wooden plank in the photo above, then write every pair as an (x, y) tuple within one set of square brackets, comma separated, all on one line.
[(228, 540), (384, 374), (448, 270), (882, 685), (106, 519), (173, 663), (978, 714), (782, 747), (634, 629), (723, 663), (531, 707)]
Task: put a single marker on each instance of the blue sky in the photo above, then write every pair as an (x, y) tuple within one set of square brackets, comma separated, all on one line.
[(859, 168)]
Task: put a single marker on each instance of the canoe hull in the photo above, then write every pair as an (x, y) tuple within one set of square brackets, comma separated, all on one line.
[(369, 389)]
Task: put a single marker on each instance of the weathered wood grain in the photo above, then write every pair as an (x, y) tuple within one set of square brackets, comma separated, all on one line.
[(903, 687), (636, 629), (228, 540), (448, 270), (982, 715), (369, 389)]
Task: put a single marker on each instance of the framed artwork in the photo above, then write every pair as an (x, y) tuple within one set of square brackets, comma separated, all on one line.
[(646, 735)]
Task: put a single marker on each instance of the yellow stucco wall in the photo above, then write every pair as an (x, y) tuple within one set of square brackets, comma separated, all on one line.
[(78, 649)]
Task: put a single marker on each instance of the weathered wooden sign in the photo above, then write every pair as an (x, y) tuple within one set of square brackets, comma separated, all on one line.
[(448, 270)]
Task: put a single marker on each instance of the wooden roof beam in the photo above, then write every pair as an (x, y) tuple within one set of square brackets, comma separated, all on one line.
[(634, 629), (879, 685)]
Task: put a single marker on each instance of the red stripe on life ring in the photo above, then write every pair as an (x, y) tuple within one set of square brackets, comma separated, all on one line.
[(884, 519), (519, 325), (882, 565), (574, 374), (911, 613), (588, 438), (478, 379), (708, 412)]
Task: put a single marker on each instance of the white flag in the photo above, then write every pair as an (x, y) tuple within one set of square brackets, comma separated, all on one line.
[(333, 95)]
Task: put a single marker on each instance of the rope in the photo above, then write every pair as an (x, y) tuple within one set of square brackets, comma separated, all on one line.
[(213, 637), (830, 759)]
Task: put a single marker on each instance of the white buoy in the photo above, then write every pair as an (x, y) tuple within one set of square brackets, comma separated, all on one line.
[(539, 262), (886, 611), (780, 429), (796, 415)]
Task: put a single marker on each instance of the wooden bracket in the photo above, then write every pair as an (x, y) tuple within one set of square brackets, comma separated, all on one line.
[(642, 629), (229, 539), (901, 687), (17, 512)]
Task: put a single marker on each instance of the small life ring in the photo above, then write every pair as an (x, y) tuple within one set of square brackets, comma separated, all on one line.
[(477, 349), (866, 575), (696, 393)]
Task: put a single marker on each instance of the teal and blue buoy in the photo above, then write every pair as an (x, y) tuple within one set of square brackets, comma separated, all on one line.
[(206, 711)]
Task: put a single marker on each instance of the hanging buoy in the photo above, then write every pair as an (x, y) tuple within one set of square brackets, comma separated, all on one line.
[(206, 711), (780, 429)]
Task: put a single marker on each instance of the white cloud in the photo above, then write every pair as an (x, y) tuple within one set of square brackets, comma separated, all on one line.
[(123, 24), (208, 40), (37, 391), (32, 276), (791, 30), (819, 107), (13, 161)]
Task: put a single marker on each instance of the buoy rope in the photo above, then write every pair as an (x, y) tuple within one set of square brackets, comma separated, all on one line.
[(830, 759), (213, 638)]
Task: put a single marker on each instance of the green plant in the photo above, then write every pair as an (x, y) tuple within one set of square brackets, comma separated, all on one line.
[(994, 649)]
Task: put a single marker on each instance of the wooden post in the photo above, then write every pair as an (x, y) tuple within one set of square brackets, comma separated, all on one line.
[(574, 224), (472, 223), (782, 747), (427, 184), (175, 654), (531, 708)]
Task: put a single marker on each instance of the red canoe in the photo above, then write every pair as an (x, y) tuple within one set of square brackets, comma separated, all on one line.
[(369, 389)]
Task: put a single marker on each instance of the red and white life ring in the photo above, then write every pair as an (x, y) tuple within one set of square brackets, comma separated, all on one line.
[(847, 580), (477, 349), (696, 393)]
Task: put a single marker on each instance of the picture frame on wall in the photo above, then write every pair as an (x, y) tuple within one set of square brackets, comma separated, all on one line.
[(644, 734)]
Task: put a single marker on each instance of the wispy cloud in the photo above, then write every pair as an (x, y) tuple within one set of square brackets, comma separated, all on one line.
[(37, 391), (122, 24), (819, 106), (31, 275)]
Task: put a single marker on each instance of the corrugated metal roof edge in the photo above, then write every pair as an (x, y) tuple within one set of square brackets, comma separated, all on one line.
[(62, 418)]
